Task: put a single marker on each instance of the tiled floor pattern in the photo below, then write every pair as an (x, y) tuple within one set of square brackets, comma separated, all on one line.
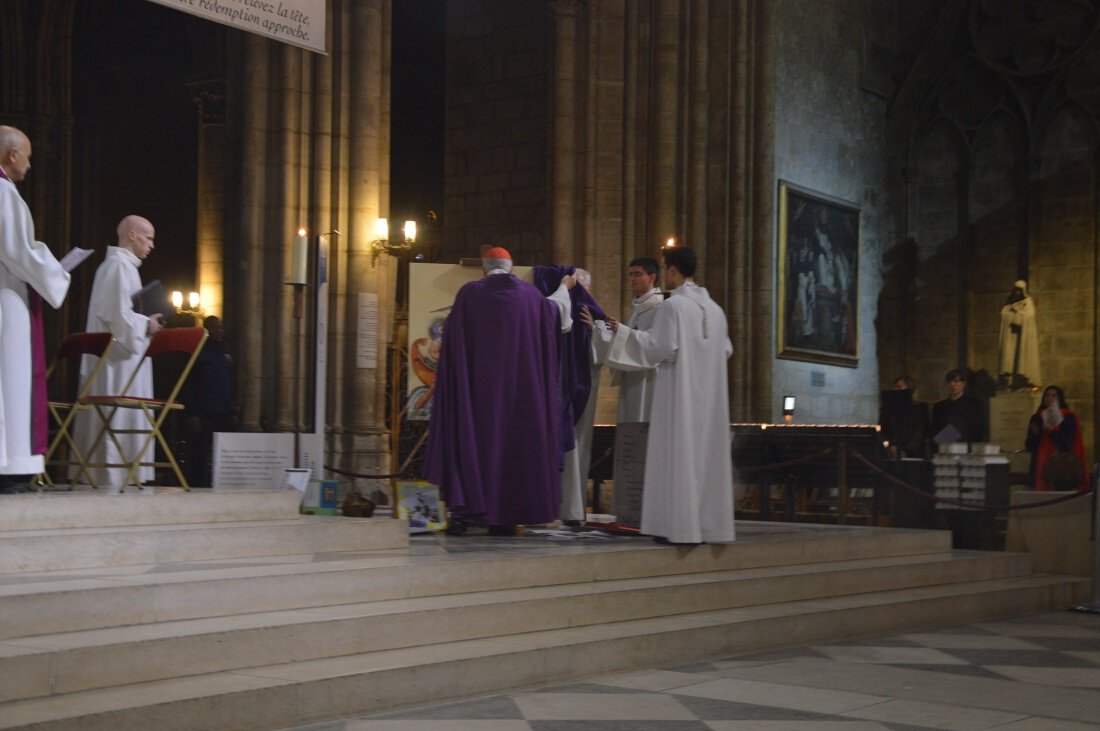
[(1040, 673)]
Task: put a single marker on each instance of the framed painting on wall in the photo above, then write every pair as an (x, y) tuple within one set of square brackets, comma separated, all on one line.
[(818, 279)]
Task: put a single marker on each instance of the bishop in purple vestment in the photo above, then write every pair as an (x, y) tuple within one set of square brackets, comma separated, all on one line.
[(493, 446)]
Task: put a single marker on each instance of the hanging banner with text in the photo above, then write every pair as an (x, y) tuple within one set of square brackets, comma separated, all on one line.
[(298, 22)]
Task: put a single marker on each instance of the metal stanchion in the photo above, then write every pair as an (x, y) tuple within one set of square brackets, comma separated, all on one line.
[(1094, 606)]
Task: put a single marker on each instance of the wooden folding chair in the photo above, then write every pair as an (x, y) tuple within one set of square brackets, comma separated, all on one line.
[(186, 340), (63, 413)]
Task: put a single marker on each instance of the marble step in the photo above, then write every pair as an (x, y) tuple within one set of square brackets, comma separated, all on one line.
[(63, 601), (279, 695), (71, 661), (142, 544), (85, 508)]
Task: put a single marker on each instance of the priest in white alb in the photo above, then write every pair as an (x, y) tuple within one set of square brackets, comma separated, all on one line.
[(635, 383), (25, 264), (111, 310), (687, 493)]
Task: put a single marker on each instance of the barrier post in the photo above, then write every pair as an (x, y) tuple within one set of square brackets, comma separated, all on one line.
[(1094, 607), (842, 482)]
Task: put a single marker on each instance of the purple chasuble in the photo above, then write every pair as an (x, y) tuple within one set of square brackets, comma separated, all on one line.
[(493, 446), (40, 414), (576, 349)]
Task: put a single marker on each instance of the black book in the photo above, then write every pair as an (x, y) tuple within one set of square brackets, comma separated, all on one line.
[(152, 299)]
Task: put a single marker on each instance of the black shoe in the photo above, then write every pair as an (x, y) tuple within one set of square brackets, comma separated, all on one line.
[(666, 542), (572, 523), (502, 530), (15, 484), (455, 528)]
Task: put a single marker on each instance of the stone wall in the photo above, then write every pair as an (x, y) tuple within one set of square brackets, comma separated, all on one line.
[(830, 138), (995, 157), (496, 185)]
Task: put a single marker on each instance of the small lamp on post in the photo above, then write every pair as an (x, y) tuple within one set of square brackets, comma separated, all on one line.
[(383, 244), (788, 409)]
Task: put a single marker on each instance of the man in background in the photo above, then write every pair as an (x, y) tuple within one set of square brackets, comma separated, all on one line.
[(29, 272), (964, 414), (211, 407), (111, 309)]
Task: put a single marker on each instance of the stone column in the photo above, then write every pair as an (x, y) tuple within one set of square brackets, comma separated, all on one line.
[(361, 393), (288, 214), (209, 99), (566, 104), (695, 103), (250, 268), (664, 141)]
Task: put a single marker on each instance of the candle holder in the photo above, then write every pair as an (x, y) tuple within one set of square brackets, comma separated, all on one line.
[(194, 304), (382, 243)]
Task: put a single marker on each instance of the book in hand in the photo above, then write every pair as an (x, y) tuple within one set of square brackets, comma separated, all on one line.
[(948, 435), (152, 299), (74, 258)]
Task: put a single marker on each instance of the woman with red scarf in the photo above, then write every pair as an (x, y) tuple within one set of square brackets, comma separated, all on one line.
[(1055, 429)]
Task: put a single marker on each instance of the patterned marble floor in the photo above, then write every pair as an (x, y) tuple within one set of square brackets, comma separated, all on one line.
[(1039, 673)]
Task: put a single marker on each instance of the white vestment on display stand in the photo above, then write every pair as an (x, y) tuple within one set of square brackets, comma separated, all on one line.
[(688, 492), (111, 310), (23, 262)]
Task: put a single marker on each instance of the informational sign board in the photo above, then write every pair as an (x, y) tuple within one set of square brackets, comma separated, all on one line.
[(297, 22), (246, 461), (366, 335), (630, 449)]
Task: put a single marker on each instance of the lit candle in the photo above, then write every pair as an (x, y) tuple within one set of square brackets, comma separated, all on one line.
[(410, 231), (671, 242), (177, 299), (299, 259)]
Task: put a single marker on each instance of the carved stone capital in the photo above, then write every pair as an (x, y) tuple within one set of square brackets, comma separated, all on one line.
[(568, 8), (209, 99)]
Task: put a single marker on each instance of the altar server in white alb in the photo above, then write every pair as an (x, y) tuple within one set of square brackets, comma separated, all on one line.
[(24, 263), (635, 384), (687, 495), (111, 310)]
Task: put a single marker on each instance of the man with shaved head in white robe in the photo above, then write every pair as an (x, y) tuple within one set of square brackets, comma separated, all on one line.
[(111, 310)]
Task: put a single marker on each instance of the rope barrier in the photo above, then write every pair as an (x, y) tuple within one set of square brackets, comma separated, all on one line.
[(972, 504), (776, 466), (345, 473), (779, 466)]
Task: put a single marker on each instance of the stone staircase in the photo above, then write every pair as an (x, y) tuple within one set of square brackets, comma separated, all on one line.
[(172, 611)]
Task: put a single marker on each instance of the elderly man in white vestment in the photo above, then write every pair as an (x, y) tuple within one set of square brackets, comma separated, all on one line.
[(635, 383), (687, 495), (575, 462), (24, 263), (111, 310)]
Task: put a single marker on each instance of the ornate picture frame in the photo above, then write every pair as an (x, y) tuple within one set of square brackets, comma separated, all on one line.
[(817, 286)]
